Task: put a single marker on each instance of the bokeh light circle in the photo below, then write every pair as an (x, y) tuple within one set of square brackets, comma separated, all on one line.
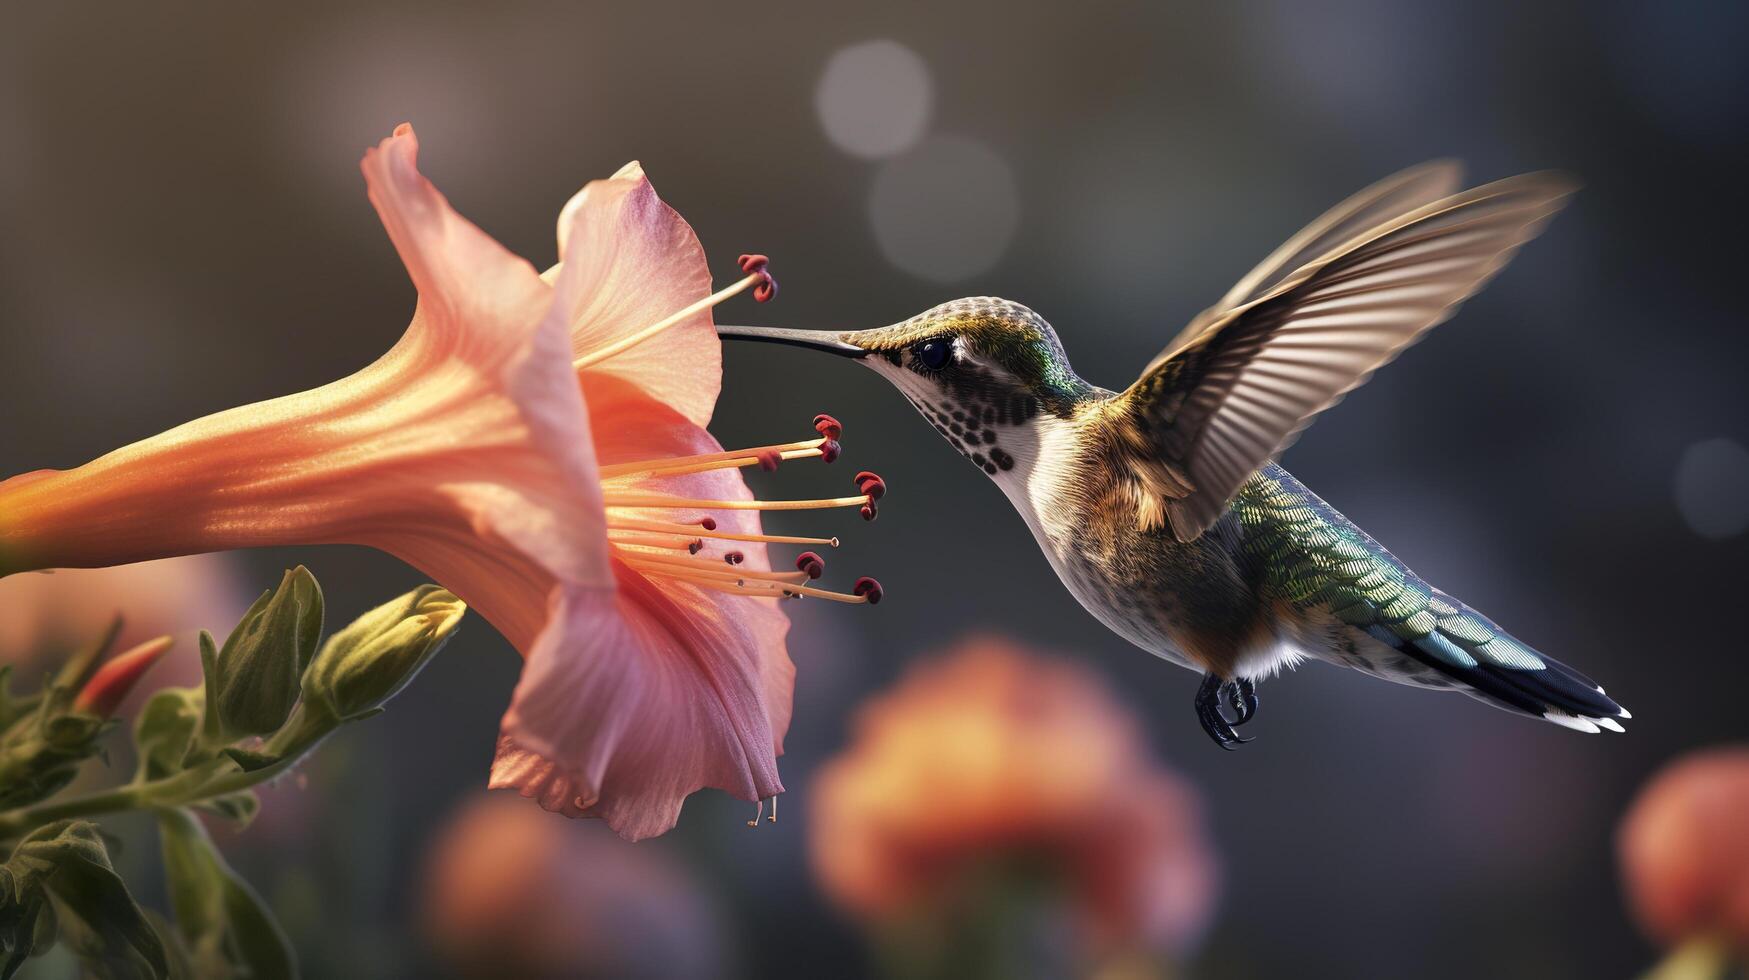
[(1712, 488), (945, 211), (874, 99)]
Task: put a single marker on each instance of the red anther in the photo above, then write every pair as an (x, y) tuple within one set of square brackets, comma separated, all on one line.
[(829, 451), (868, 588), (811, 563), (869, 512), (734, 558), (828, 426), (708, 523), (695, 546), (870, 484), (755, 265), (769, 459)]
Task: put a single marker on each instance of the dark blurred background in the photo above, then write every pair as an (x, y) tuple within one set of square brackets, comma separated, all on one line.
[(185, 229)]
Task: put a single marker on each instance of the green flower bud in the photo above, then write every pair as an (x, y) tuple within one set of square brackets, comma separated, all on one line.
[(369, 662), (40, 749), (252, 683), (165, 729)]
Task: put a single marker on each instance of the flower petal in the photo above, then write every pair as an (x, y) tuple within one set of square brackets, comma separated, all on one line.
[(635, 262), (632, 700), (630, 428), (470, 287), (488, 358)]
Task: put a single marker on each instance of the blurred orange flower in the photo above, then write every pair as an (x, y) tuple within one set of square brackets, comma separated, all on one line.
[(1684, 849), (510, 894), (535, 444), (993, 757), (44, 617)]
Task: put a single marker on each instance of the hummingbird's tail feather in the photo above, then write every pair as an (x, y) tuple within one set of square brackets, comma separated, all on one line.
[(1351, 602), (1492, 666)]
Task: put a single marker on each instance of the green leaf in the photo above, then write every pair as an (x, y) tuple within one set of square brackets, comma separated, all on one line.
[(98, 920), (225, 925), (72, 731), (261, 945), (46, 930), (21, 787), (21, 915), (166, 728), (176, 955), (240, 807)]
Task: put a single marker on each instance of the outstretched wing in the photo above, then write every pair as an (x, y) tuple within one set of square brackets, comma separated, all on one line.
[(1208, 413), (1392, 197)]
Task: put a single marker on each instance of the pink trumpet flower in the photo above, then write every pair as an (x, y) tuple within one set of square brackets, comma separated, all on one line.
[(536, 444)]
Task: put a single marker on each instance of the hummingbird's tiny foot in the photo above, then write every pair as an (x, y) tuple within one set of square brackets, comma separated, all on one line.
[(1242, 697), (1208, 712)]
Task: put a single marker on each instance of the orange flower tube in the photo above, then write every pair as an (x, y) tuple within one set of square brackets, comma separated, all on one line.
[(536, 444)]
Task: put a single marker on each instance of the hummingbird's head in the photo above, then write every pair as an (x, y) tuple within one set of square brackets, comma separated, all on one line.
[(974, 367)]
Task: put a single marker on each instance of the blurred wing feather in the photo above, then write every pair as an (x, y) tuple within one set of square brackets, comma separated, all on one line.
[(1392, 197), (1209, 413)]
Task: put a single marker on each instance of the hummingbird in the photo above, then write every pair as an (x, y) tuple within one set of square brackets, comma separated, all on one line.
[(1161, 507)]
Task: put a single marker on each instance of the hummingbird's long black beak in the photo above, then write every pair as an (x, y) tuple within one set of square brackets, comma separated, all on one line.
[(829, 341)]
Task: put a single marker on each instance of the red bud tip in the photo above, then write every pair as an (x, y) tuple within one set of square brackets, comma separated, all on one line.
[(769, 459), (868, 588), (870, 484), (811, 563), (828, 426), (829, 451), (754, 265), (869, 512), (708, 523), (734, 558), (107, 688)]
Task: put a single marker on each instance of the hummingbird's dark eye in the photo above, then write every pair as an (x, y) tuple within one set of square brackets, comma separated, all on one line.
[(934, 354)]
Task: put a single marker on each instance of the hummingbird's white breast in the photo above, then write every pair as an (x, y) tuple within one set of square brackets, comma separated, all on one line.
[(1039, 461)]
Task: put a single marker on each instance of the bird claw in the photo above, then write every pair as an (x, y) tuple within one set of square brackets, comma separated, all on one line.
[(1208, 709), (1242, 698)]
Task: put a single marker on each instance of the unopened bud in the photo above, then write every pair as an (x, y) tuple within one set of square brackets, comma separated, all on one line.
[(370, 661), (256, 682), (106, 689)]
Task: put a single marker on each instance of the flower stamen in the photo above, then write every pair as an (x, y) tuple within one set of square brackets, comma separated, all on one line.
[(769, 585), (691, 531), (655, 541), (757, 278), (659, 501), (678, 465), (689, 567), (652, 546)]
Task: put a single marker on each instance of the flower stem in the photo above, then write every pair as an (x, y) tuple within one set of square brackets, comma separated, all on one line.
[(205, 781)]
